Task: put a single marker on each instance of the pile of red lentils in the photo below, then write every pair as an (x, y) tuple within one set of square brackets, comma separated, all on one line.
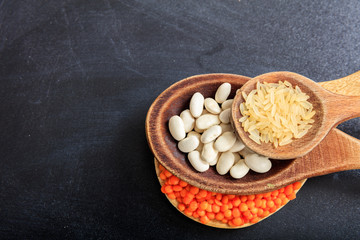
[(234, 210)]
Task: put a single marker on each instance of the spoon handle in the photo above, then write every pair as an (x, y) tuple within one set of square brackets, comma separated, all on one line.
[(345, 103)]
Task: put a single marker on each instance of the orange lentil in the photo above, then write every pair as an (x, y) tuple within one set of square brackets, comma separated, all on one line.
[(243, 207), (231, 196), (288, 190), (167, 173), (177, 188), (195, 215), (201, 212), (228, 213), (204, 205), (181, 207), (219, 216), (257, 202), (168, 189), (162, 176), (203, 193), (215, 208), (278, 201), (194, 190), (224, 208), (171, 196), (218, 202), (225, 199), (210, 215), (183, 183), (204, 219), (237, 221), (236, 201), (193, 206), (173, 180), (243, 198), (234, 210), (250, 204), (297, 185), (209, 208)]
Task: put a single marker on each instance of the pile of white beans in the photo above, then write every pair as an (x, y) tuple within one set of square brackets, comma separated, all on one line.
[(205, 133)]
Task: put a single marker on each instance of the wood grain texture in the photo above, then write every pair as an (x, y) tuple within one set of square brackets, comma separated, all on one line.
[(214, 223), (337, 152), (331, 109)]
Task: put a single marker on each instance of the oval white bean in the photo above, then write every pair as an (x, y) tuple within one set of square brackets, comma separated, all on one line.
[(188, 144), (188, 119), (214, 162), (225, 116), (246, 151), (225, 141), (237, 147), (223, 92), (212, 106), (197, 104), (177, 128), (206, 121), (211, 134), (198, 136), (197, 163), (236, 157), (239, 170), (208, 152), (225, 162), (226, 127), (227, 104), (258, 163), (198, 130)]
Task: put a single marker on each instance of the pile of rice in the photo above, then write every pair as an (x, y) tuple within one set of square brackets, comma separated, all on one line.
[(276, 113)]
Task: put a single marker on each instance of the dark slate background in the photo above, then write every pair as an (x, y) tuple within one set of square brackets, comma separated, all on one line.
[(77, 78)]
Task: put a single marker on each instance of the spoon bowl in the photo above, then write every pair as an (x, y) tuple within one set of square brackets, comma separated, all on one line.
[(331, 109)]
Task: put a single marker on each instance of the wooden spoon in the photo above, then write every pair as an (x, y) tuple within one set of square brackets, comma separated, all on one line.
[(338, 151), (331, 109)]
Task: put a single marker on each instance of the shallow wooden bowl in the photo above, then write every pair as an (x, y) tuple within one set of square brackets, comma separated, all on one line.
[(173, 101)]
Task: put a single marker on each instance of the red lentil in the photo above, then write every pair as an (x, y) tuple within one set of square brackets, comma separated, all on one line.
[(234, 210)]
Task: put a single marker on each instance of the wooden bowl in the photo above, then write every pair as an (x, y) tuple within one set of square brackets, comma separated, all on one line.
[(173, 101)]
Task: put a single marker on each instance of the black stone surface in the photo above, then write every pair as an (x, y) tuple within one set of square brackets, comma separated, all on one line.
[(77, 78)]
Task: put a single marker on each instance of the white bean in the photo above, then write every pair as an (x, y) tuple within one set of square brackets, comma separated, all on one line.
[(225, 162), (225, 116), (239, 170), (198, 130), (225, 141), (237, 147), (177, 128), (212, 106), (214, 162), (246, 151), (237, 157), (226, 127), (198, 136), (197, 104), (227, 104), (208, 152), (223, 92), (211, 134), (258, 163), (188, 144), (188, 119), (197, 163), (206, 121)]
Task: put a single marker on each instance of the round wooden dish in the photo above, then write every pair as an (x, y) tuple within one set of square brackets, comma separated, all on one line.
[(173, 101)]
